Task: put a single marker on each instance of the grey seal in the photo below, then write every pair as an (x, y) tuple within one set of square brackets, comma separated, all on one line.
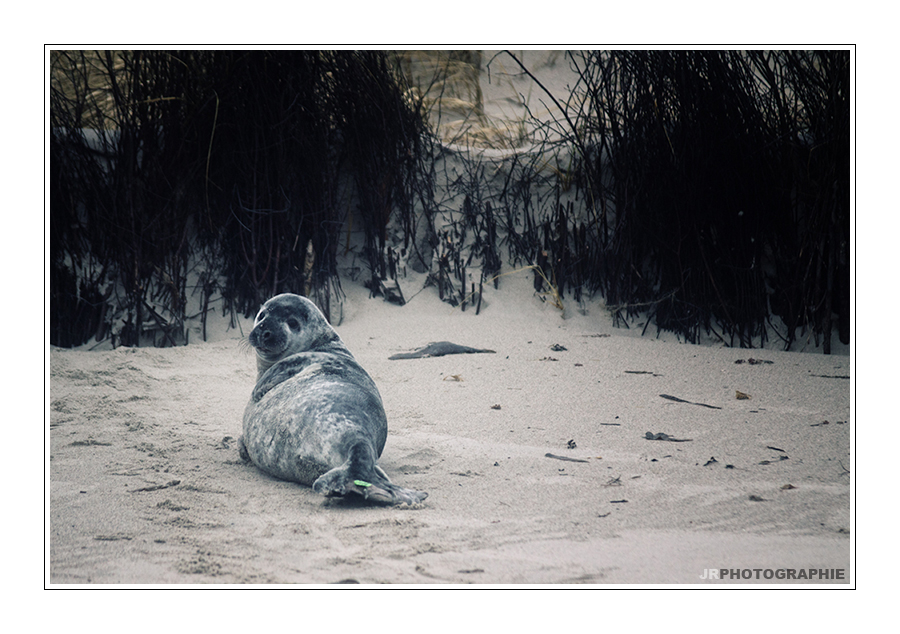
[(315, 416)]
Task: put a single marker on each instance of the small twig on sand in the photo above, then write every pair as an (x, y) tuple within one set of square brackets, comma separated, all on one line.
[(550, 455)]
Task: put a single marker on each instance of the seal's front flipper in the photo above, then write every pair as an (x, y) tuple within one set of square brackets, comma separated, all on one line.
[(242, 450)]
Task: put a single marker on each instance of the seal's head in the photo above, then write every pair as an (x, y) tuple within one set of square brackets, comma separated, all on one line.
[(288, 324)]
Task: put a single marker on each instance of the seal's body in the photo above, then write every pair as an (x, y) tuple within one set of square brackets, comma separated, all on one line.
[(315, 416)]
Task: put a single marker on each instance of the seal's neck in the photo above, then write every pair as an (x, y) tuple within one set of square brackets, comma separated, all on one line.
[(261, 366), (331, 344)]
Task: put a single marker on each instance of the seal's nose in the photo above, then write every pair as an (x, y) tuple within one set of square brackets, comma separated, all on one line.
[(261, 337)]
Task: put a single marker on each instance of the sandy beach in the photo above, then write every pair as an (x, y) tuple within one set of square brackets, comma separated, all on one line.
[(536, 459)]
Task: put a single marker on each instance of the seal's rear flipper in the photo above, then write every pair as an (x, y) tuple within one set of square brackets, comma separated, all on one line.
[(388, 493), (375, 488)]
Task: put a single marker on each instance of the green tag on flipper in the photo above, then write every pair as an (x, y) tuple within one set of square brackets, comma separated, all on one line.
[(360, 483)]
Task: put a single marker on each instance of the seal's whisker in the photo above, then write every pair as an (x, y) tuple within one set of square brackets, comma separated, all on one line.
[(244, 345)]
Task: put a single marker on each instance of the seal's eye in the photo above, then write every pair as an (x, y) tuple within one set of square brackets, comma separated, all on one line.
[(293, 324)]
